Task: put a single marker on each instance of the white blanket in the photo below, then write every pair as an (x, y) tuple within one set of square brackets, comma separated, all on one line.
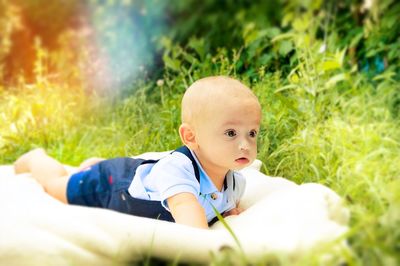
[(280, 216)]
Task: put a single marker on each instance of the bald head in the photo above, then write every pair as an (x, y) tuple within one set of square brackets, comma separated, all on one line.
[(205, 96)]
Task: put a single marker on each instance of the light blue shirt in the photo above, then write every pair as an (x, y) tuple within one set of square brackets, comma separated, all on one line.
[(174, 174)]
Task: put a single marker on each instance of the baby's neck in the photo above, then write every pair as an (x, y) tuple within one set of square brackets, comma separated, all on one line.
[(218, 178)]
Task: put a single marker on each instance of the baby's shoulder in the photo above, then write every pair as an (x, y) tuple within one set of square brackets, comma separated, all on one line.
[(175, 162), (174, 173)]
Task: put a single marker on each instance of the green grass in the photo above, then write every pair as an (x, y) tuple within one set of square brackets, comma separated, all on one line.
[(353, 146)]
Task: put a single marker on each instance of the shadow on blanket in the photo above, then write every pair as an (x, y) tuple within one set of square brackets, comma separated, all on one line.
[(280, 217)]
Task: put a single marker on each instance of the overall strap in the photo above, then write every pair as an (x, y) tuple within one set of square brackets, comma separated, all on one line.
[(185, 150)]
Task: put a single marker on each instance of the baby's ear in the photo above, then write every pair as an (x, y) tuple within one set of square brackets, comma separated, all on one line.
[(188, 136)]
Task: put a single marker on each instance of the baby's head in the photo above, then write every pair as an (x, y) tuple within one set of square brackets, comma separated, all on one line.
[(220, 122)]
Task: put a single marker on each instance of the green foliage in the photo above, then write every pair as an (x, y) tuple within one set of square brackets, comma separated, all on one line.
[(221, 23)]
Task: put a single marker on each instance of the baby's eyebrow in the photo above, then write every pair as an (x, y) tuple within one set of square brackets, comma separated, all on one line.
[(236, 122), (233, 122)]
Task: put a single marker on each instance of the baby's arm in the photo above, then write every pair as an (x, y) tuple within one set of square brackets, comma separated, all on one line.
[(186, 209)]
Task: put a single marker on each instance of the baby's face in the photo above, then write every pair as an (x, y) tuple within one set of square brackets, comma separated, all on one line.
[(227, 135)]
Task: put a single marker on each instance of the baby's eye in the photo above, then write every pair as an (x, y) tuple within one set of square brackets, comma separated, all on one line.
[(253, 134), (230, 133)]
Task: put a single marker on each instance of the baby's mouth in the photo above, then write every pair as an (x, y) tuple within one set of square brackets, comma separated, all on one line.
[(242, 160)]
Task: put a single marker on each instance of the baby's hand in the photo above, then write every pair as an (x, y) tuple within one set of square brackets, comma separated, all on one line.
[(234, 211)]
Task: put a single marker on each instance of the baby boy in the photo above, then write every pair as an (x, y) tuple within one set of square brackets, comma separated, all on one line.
[(220, 123)]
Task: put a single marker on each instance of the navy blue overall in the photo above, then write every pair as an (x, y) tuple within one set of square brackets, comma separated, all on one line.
[(106, 185)]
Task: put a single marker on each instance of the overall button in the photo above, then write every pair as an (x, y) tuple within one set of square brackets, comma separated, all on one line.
[(214, 196)]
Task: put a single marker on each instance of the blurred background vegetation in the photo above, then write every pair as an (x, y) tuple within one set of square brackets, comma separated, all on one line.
[(105, 78)]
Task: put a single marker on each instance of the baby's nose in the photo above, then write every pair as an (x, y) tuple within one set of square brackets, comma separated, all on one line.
[(244, 145)]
